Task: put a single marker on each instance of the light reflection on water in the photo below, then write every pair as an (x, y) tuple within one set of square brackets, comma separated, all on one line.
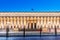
[(32, 38)]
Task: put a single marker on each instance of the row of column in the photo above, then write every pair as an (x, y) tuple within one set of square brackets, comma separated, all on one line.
[(29, 22)]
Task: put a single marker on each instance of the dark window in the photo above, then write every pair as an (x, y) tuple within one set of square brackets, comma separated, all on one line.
[(14, 26), (31, 25), (11, 26), (35, 25), (57, 26), (28, 25)]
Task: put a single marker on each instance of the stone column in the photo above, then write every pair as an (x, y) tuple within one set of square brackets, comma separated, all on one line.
[(17, 21), (20, 22), (22, 25), (31, 21), (11, 22), (25, 22), (30, 26), (45, 20), (57, 21), (15, 24), (28, 22), (35, 23), (57, 24), (38, 23), (2, 25), (42, 23), (8, 21), (51, 21)]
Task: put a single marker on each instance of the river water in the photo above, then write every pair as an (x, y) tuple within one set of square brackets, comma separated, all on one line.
[(31, 38)]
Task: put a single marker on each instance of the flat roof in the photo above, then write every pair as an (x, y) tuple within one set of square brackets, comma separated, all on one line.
[(29, 13)]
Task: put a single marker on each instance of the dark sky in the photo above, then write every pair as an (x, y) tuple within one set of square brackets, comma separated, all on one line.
[(29, 5)]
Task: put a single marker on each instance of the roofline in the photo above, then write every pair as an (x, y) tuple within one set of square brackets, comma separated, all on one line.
[(28, 14)]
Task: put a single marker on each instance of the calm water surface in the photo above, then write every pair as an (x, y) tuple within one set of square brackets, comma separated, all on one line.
[(32, 38)]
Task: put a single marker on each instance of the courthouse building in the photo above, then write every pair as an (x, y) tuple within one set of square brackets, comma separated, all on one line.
[(30, 21)]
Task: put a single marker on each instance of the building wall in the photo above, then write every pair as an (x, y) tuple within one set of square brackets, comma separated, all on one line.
[(29, 20)]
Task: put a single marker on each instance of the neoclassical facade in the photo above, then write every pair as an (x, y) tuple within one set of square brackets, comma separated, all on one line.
[(30, 20)]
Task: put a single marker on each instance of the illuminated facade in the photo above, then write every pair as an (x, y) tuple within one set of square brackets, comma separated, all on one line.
[(30, 21)]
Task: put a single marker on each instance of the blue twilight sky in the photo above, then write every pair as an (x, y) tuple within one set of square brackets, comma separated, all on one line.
[(29, 5)]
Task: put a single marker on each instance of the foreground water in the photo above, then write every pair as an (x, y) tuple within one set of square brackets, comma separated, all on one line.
[(31, 38)]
